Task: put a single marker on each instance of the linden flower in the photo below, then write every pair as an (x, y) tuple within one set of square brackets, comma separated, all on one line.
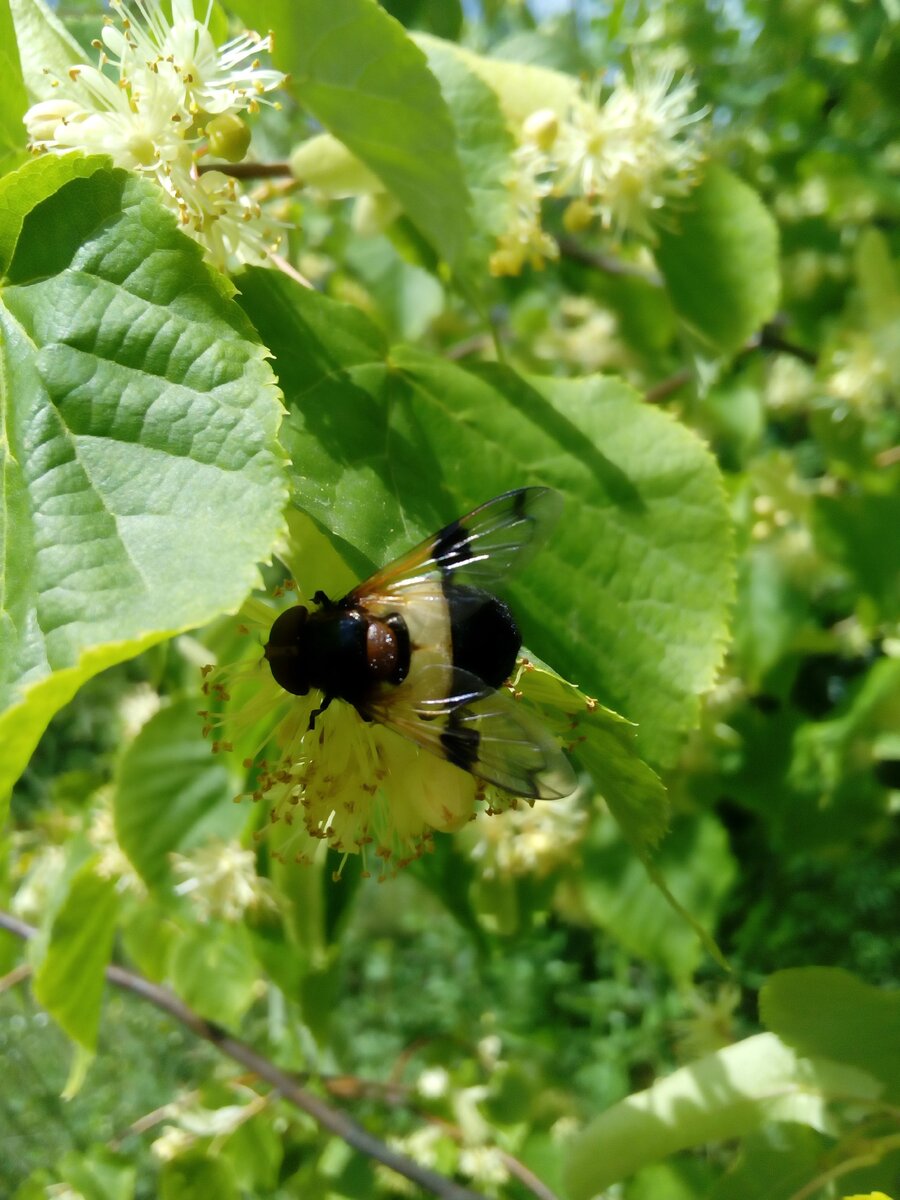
[(533, 840), (632, 153), (160, 95), (354, 784), (524, 241), (221, 881)]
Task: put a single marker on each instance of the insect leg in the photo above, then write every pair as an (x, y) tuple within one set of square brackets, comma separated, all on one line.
[(317, 712)]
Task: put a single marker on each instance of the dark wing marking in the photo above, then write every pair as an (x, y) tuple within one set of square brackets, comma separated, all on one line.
[(455, 715), (479, 548)]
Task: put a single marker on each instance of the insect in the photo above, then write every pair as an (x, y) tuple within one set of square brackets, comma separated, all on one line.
[(423, 647)]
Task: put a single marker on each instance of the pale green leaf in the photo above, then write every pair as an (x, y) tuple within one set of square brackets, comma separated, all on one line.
[(721, 1096), (630, 598), (719, 258), (361, 77), (167, 787), (485, 146), (521, 88), (142, 480), (829, 1012), (46, 47), (69, 980), (13, 100)]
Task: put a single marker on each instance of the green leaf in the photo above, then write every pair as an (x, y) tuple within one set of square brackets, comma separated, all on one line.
[(485, 147), (720, 261), (13, 100), (98, 1174), (46, 47), (521, 88), (850, 529), (142, 479), (69, 980), (192, 1176), (829, 1012), (630, 598), (694, 863), (776, 1161), (214, 971), (605, 744), (723, 1095), (35, 182), (358, 73), (167, 787)]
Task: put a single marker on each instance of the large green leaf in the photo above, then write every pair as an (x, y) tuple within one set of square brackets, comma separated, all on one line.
[(69, 981), (13, 100), (721, 1096), (719, 259), (358, 73), (142, 480), (167, 786), (629, 600), (829, 1012)]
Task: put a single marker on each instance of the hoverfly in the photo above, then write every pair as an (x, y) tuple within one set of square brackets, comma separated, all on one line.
[(422, 647)]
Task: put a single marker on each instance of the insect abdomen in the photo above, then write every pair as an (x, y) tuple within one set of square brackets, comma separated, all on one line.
[(483, 633)]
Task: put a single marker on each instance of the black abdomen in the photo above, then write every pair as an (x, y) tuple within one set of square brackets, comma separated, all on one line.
[(484, 635)]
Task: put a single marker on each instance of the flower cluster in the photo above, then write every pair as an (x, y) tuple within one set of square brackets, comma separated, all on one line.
[(353, 784), (221, 882), (534, 841), (620, 157), (162, 96)]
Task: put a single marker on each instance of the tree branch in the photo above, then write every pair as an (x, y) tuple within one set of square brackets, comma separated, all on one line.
[(249, 170), (332, 1119)]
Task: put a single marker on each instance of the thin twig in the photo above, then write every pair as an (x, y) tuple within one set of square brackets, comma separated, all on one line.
[(332, 1119), (249, 170), (665, 387), (14, 977), (575, 252), (888, 458)]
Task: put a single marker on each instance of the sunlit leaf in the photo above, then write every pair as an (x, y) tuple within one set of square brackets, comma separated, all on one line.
[(723, 1095), (13, 101), (358, 73), (142, 479)]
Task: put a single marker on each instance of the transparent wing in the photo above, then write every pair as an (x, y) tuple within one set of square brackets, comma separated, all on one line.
[(457, 716), (478, 549)]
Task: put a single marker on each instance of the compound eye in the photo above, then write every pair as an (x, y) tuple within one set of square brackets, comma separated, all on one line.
[(283, 651), (285, 631)]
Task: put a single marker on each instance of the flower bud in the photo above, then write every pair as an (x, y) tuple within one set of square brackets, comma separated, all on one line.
[(541, 128), (228, 136), (579, 215)]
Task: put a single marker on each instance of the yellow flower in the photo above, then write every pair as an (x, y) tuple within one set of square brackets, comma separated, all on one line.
[(629, 153), (173, 81), (354, 784)]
